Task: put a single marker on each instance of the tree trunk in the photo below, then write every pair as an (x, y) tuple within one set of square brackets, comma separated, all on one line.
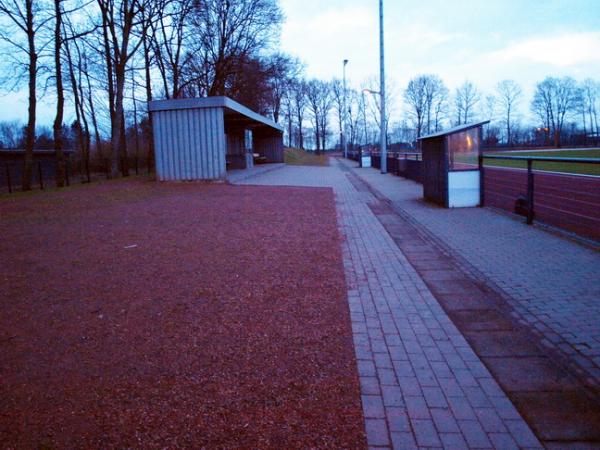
[(123, 145), (97, 137), (30, 132), (60, 98), (150, 138), (300, 134), (289, 125), (116, 132), (114, 152)]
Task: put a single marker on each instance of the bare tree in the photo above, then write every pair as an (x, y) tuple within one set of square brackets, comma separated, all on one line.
[(374, 107), (76, 65), (553, 101), (299, 104), (147, 18), (60, 95), (509, 95), (466, 98), (590, 90), (320, 101), (170, 33), (439, 106), (24, 19), (427, 98), (355, 113), (436, 95), (11, 133), (119, 22), (415, 96), (288, 112), (227, 32), (337, 92), (282, 69)]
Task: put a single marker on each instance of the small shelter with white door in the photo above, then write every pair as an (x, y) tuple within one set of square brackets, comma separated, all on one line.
[(450, 166)]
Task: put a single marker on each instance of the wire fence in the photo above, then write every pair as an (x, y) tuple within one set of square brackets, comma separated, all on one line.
[(77, 171)]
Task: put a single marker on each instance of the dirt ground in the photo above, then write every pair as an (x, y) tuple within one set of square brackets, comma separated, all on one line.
[(139, 314)]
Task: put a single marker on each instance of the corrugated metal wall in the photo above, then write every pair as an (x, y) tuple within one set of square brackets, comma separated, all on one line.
[(189, 144), (271, 147)]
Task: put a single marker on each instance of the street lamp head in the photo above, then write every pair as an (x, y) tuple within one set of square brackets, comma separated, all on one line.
[(370, 91), (345, 61)]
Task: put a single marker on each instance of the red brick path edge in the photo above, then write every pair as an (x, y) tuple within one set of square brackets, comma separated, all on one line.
[(137, 314)]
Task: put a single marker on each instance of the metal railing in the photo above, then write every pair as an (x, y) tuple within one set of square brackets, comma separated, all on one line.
[(530, 176)]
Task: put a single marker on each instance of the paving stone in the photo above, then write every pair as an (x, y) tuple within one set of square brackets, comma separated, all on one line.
[(373, 406), (561, 415), (410, 386), (503, 441), (382, 360), (425, 432), (417, 408), (461, 409), (476, 397), (398, 419), (403, 369), (444, 420), (434, 397), (502, 343), (461, 302), (387, 377), (474, 434), (366, 368), (397, 319), (482, 320), (562, 305), (522, 434), (398, 353), (451, 387), (403, 441), (441, 275), (453, 441), (369, 386), (490, 420), (392, 396), (530, 374), (377, 433)]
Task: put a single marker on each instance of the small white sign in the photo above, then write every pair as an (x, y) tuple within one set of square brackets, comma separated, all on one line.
[(366, 161)]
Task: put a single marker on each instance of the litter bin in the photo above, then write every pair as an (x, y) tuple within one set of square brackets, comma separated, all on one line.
[(364, 158)]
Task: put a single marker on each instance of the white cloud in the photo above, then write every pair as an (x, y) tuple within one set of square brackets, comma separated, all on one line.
[(561, 51)]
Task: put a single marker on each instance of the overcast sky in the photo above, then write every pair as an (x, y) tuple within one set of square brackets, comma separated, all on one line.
[(484, 41)]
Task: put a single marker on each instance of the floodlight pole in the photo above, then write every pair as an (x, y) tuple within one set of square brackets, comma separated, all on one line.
[(382, 144), (344, 127)]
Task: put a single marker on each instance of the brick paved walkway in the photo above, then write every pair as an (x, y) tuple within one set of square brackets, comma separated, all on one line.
[(422, 384), (552, 284)]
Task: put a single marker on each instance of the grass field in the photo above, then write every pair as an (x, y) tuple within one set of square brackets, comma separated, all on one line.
[(577, 168), (298, 157)]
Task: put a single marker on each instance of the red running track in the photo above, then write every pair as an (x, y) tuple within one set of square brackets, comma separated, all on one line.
[(571, 202)]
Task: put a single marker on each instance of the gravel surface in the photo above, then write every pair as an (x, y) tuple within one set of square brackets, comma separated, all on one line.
[(137, 314)]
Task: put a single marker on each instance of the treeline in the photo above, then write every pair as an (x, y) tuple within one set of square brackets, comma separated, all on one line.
[(108, 58), (103, 60), (565, 111)]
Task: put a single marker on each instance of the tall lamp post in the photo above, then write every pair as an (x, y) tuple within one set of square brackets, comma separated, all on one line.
[(382, 144), (344, 122)]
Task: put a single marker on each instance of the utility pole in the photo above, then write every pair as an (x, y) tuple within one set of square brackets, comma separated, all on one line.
[(382, 144), (344, 127)]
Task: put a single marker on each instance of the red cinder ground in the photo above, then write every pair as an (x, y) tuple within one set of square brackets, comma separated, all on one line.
[(224, 325)]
